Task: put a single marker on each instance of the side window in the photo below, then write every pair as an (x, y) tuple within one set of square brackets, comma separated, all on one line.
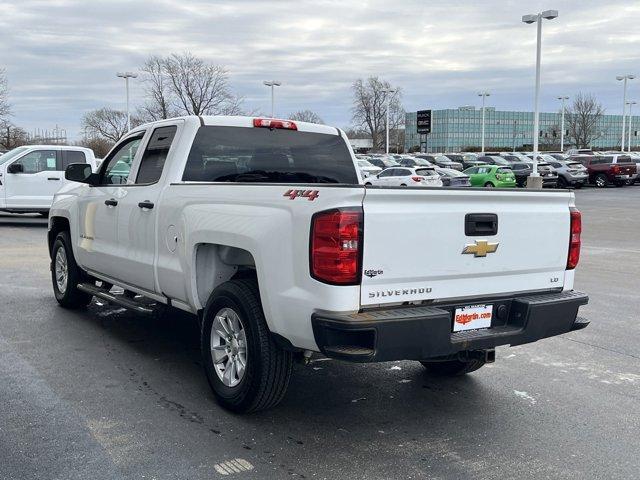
[(403, 172), (473, 170), (39, 161), (118, 165), (387, 173), (155, 154), (72, 156)]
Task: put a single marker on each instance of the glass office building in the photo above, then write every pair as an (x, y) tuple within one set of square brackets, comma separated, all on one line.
[(454, 130)]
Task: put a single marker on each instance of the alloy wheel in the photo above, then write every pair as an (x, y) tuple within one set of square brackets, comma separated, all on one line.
[(229, 347), (61, 270)]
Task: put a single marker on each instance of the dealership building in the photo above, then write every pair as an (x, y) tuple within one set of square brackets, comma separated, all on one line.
[(456, 129)]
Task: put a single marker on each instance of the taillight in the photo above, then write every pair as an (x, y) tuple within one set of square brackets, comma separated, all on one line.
[(417, 179), (336, 243), (272, 123), (574, 238)]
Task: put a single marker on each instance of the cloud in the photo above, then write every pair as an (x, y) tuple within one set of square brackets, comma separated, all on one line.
[(61, 56)]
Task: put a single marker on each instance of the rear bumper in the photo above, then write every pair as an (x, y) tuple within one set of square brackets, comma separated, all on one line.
[(423, 332)]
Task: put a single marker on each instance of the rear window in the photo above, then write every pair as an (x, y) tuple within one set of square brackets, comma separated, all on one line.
[(504, 170), (425, 172), (239, 154)]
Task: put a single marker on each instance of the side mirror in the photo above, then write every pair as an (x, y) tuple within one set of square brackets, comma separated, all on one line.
[(15, 168), (80, 172)]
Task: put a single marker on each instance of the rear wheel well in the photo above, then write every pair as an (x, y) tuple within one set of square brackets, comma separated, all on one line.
[(57, 225), (216, 264)]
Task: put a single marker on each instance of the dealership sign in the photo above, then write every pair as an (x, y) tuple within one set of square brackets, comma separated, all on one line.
[(424, 121)]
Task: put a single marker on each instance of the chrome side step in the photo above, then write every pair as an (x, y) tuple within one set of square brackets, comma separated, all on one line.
[(118, 299)]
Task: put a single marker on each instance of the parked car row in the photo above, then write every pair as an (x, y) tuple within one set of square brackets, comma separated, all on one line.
[(503, 169)]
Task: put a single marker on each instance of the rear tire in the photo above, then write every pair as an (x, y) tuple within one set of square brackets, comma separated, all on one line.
[(489, 184), (452, 368), (260, 379), (65, 274), (601, 180), (562, 183)]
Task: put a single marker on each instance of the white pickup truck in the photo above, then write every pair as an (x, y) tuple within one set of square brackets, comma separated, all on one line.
[(31, 175), (263, 229)]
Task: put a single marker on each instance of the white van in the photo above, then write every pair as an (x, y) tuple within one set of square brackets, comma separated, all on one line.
[(30, 175)]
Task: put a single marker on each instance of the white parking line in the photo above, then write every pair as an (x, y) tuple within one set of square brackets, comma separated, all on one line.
[(236, 465)]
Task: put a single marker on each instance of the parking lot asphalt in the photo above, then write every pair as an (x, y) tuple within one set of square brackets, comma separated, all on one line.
[(105, 393)]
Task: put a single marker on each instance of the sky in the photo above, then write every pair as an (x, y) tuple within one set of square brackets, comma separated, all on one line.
[(61, 56)]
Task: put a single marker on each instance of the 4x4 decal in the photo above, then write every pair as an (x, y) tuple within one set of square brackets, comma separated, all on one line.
[(309, 194)]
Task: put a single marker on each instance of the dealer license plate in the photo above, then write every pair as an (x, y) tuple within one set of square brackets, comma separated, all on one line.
[(472, 317)]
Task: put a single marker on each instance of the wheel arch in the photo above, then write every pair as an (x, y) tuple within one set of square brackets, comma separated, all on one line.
[(214, 264), (56, 225)]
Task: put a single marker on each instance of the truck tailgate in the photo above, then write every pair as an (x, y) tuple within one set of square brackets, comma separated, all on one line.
[(414, 241)]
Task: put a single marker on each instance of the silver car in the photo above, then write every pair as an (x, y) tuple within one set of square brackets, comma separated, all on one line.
[(570, 173)]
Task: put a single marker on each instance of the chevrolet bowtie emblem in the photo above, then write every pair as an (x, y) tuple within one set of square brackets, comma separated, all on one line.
[(481, 248)]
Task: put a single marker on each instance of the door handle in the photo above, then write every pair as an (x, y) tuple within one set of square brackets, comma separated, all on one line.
[(53, 178), (146, 204), (111, 202)]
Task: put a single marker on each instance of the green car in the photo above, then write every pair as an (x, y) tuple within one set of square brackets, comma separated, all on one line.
[(491, 176)]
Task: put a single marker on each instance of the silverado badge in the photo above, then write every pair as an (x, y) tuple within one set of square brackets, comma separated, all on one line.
[(480, 248)]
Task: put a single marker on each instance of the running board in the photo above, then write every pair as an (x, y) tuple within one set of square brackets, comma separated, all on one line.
[(118, 299)]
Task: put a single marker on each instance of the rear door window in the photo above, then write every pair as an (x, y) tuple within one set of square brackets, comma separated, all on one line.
[(155, 155), (262, 155), (72, 156)]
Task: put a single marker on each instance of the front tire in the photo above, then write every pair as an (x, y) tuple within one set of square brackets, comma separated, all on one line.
[(65, 274), (452, 368), (245, 368)]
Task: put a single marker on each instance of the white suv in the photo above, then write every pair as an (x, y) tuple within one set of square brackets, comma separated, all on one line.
[(406, 177)]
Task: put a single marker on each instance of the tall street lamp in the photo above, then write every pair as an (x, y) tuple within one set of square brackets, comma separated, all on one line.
[(630, 103), (484, 95), (537, 18), (562, 99), (388, 92), (624, 79), (127, 76), (272, 84)]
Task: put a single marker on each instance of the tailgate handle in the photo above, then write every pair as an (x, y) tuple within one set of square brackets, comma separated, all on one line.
[(484, 224)]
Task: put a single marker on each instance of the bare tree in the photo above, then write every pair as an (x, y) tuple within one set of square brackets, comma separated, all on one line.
[(582, 119), (107, 123), (160, 98), (12, 136), (183, 84), (5, 107), (306, 116), (99, 145), (370, 107), (200, 88)]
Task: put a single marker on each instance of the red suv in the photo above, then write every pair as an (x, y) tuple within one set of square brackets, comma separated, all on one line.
[(603, 172)]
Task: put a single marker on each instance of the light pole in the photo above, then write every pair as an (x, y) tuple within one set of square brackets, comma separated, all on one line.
[(272, 84), (484, 95), (127, 76), (624, 79), (562, 99), (387, 92), (630, 103), (537, 18)]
